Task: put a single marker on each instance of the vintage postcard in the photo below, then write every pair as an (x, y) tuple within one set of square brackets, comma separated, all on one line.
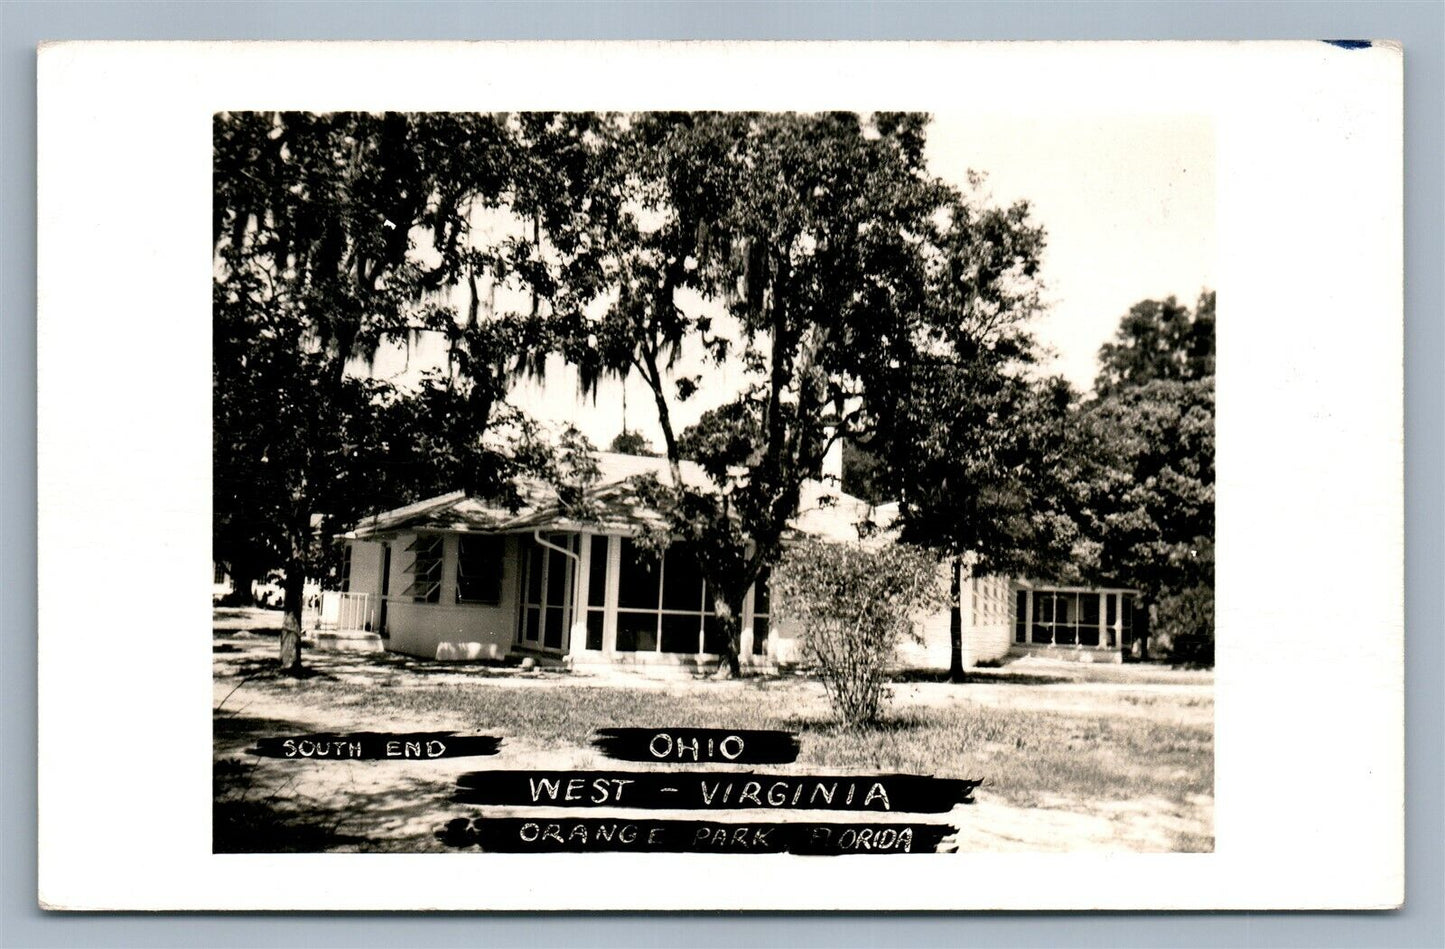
[(890, 476)]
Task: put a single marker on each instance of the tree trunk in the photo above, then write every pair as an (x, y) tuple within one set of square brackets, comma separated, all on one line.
[(291, 623), (243, 574), (729, 612), (955, 622)]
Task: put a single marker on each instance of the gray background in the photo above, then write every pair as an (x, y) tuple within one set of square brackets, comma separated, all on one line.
[(1420, 25)]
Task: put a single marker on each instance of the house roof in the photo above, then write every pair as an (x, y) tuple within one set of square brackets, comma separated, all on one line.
[(825, 511)]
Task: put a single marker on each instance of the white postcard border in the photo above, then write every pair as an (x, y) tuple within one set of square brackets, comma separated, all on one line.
[(1309, 729)]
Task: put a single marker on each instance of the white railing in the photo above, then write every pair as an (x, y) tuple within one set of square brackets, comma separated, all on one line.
[(345, 611)]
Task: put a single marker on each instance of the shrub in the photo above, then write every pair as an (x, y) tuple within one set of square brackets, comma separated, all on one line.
[(1184, 626), (852, 606)]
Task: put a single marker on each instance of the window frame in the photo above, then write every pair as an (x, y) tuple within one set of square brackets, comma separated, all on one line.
[(422, 552), (498, 545)]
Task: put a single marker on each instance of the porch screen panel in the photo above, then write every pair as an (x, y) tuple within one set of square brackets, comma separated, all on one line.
[(547, 592), (552, 628), (637, 587), (1021, 617), (681, 580), (638, 591), (534, 566), (762, 611), (1088, 619), (662, 602), (684, 601), (1126, 619), (1043, 631), (636, 632), (534, 574), (680, 632), (596, 590), (714, 639), (1066, 618), (559, 586)]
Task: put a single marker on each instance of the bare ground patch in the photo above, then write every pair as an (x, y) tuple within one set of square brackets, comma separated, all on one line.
[(1098, 766)]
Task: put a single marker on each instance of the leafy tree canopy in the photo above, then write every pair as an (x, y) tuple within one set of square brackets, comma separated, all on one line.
[(1159, 340), (817, 253), (630, 442), (335, 234)]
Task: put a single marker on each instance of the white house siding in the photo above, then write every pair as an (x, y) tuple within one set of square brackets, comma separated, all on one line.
[(987, 621), (990, 624), (445, 629)]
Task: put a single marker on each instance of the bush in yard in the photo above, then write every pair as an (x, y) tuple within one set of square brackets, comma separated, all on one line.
[(852, 606), (1184, 626)]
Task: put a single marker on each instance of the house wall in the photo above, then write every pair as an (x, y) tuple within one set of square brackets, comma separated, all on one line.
[(990, 623), (445, 629), (366, 576), (987, 620), (451, 630), (935, 650)]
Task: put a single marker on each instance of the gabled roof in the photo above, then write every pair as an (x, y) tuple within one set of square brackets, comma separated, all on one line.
[(824, 510)]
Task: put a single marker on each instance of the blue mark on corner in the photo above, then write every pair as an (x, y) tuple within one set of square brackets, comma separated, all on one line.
[(1350, 44)]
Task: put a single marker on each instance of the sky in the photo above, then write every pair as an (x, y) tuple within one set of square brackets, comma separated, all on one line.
[(1127, 203)]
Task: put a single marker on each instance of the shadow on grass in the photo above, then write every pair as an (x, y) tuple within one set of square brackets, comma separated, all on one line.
[(240, 825), (888, 724), (257, 809), (482, 669), (270, 668), (978, 674), (379, 663), (244, 632), (1015, 678), (918, 675), (230, 729), (252, 814), (238, 612)]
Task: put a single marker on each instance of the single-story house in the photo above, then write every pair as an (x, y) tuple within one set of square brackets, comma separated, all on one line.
[(460, 577)]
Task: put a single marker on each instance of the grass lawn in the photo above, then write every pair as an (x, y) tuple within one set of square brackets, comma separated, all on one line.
[(1113, 765)]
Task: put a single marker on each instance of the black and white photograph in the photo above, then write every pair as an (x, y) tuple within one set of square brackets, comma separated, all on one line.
[(623, 468), (890, 431)]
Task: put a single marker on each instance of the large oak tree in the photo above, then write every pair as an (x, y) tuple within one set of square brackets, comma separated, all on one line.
[(333, 236), (816, 253)]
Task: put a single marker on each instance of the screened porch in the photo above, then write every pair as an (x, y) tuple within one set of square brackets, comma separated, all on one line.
[(1054, 619)]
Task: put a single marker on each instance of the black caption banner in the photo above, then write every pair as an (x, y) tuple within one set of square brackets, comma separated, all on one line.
[(591, 834), (723, 790), (378, 746), (698, 745)]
